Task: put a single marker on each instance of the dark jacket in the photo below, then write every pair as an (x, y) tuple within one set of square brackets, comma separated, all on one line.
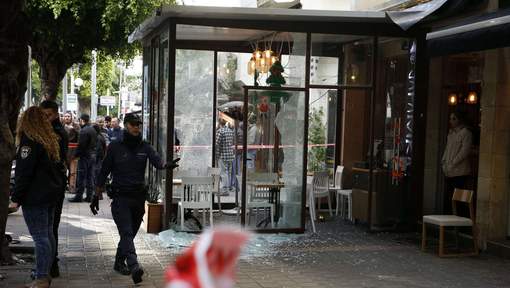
[(115, 134), (127, 166), (87, 142), (100, 147), (63, 144), (73, 131), (39, 179), (64, 140)]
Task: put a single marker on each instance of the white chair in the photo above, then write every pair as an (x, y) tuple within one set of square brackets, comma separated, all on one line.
[(311, 201), (258, 198), (215, 173), (197, 194), (459, 195), (320, 189), (342, 194)]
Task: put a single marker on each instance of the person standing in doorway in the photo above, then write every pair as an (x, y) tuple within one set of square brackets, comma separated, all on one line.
[(225, 155), (126, 161), (115, 133), (39, 181), (50, 108), (86, 152), (456, 161)]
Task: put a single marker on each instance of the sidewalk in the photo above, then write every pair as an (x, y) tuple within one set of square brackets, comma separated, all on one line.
[(340, 256)]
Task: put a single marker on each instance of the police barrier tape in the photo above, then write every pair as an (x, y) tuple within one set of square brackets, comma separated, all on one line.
[(250, 147)]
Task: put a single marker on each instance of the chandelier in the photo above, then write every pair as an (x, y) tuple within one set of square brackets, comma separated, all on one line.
[(262, 59)]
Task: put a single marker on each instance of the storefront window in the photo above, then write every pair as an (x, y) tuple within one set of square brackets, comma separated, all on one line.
[(277, 123), (341, 60), (163, 113), (194, 86), (322, 129)]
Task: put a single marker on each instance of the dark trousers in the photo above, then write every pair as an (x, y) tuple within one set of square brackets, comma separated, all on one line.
[(56, 223), (127, 214), (39, 220), (452, 183), (86, 176)]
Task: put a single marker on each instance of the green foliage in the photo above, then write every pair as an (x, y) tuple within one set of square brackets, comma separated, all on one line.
[(107, 76), (64, 32), (316, 135)]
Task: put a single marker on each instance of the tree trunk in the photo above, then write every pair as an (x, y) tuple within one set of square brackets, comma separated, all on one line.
[(52, 72), (14, 35)]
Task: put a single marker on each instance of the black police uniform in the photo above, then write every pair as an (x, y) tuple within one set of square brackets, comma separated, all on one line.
[(127, 162), (86, 151), (39, 179)]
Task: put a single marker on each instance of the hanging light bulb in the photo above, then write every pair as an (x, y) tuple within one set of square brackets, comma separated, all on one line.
[(452, 99), (274, 59), (472, 97), (263, 65), (252, 65), (257, 54), (267, 54)]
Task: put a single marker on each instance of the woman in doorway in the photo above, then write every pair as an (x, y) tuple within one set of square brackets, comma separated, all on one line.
[(456, 161), (39, 178)]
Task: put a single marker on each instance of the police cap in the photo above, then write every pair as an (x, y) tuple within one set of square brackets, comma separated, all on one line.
[(132, 119)]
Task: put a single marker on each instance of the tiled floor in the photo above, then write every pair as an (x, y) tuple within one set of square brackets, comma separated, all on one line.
[(340, 256)]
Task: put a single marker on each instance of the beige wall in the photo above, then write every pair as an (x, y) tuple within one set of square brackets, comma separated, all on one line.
[(494, 167)]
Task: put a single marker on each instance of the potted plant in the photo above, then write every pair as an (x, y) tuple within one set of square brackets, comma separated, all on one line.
[(153, 211)]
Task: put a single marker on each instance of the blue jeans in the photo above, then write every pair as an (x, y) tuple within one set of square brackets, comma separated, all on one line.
[(39, 221)]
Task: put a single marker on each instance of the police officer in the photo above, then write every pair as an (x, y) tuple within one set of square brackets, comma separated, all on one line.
[(126, 160), (86, 152)]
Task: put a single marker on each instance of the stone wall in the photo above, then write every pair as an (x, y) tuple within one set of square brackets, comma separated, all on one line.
[(494, 167)]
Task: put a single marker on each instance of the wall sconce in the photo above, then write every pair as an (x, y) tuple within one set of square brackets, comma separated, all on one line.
[(472, 98), (352, 73), (452, 99)]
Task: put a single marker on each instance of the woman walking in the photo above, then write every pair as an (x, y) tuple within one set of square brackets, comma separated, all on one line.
[(38, 181)]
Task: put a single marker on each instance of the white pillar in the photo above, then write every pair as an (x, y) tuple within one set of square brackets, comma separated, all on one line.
[(93, 95), (28, 92), (64, 93)]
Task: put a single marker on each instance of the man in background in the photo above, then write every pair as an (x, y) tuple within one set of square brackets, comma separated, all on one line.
[(225, 155), (86, 152), (115, 133)]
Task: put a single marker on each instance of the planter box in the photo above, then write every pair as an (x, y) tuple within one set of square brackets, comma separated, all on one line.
[(152, 217)]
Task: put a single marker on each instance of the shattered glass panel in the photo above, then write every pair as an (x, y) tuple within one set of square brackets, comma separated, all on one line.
[(194, 87), (276, 129)]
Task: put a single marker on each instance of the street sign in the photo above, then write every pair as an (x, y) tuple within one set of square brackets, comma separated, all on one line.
[(107, 100), (72, 102)]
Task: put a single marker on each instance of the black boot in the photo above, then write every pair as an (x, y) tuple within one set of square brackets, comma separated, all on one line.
[(121, 267), (55, 271), (75, 199), (136, 274)]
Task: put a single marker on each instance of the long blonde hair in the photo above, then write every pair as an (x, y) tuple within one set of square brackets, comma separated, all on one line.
[(35, 125)]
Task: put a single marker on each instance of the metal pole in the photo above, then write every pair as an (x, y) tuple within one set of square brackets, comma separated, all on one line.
[(64, 93), (28, 93), (93, 96), (120, 91)]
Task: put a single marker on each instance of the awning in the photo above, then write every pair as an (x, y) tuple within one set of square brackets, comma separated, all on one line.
[(488, 31)]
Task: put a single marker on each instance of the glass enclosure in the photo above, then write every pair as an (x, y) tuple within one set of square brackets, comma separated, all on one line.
[(267, 109)]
